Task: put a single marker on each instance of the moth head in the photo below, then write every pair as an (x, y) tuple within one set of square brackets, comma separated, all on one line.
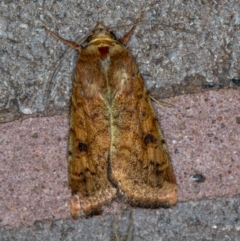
[(99, 27), (100, 31)]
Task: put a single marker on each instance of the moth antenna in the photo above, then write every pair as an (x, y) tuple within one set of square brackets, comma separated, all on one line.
[(72, 44), (178, 29), (59, 62), (57, 66)]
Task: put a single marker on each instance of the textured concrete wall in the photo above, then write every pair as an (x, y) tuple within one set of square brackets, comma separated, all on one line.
[(183, 49)]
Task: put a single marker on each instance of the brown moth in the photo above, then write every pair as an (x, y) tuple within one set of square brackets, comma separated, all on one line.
[(116, 145)]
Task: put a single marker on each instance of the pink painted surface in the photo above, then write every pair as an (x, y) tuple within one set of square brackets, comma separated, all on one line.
[(201, 132)]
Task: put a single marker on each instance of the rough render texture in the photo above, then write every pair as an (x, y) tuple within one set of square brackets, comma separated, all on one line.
[(201, 131), (180, 47)]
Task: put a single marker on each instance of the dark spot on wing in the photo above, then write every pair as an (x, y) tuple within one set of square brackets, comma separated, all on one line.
[(82, 147), (149, 138)]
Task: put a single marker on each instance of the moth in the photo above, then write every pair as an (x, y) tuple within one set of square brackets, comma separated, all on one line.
[(116, 146)]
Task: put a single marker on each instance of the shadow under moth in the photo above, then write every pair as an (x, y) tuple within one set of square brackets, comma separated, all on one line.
[(116, 145)]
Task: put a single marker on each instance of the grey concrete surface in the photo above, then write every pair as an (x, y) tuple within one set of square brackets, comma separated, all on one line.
[(206, 220), (202, 134), (181, 47)]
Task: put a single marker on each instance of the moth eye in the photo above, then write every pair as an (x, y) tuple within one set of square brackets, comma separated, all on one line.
[(89, 39), (149, 138), (113, 35), (82, 147)]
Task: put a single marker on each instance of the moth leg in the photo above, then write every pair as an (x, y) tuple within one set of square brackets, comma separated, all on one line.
[(127, 36), (72, 44), (159, 102)]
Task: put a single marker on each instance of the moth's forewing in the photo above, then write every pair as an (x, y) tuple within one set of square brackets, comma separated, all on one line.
[(90, 135), (140, 164)]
